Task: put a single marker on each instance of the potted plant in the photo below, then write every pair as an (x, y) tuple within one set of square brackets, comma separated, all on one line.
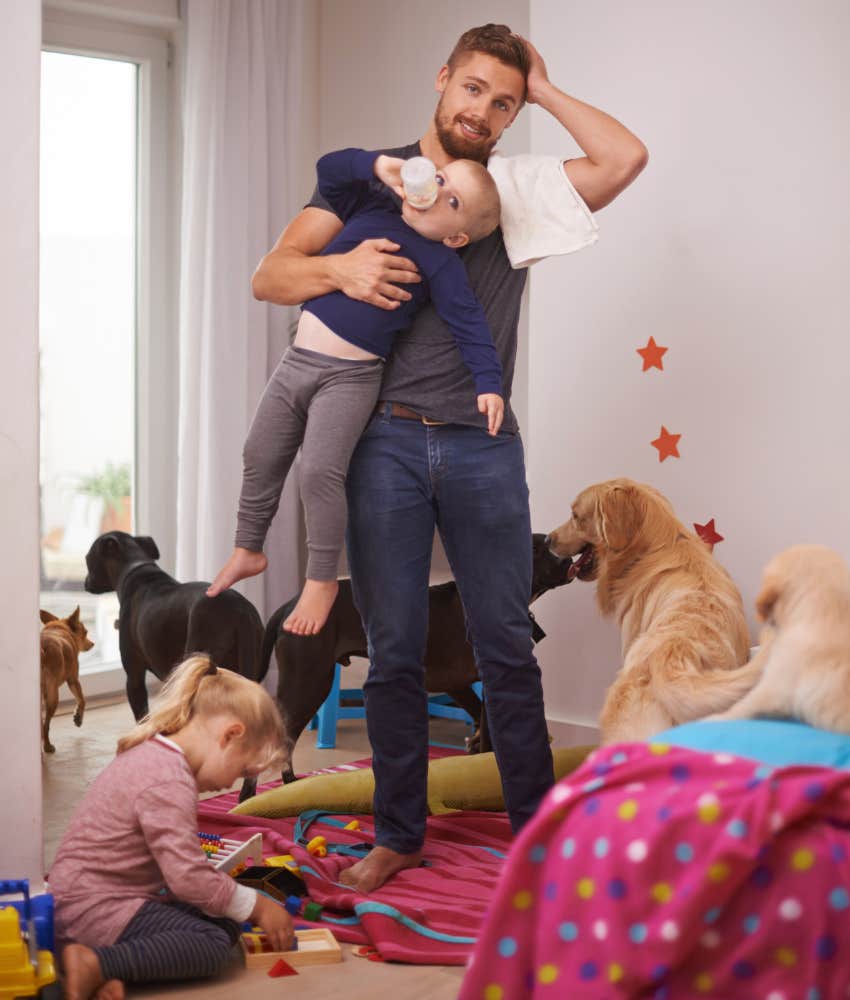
[(112, 485)]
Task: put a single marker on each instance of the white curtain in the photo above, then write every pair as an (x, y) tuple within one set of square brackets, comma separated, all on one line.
[(241, 121)]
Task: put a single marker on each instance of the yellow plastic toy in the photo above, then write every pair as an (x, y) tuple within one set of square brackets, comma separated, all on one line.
[(318, 847), (282, 861), (24, 970)]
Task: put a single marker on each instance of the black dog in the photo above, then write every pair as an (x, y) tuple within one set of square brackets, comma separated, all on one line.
[(306, 662), (162, 621)]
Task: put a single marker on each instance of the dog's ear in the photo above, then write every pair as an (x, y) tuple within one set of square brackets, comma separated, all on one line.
[(148, 546), (46, 617), (74, 619), (621, 513), (767, 598)]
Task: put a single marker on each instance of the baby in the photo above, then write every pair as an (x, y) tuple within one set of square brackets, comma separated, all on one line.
[(327, 385)]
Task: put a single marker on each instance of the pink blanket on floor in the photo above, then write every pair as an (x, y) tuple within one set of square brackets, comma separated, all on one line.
[(428, 915), (656, 871)]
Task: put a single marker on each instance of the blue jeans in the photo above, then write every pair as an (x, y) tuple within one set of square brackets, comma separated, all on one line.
[(405, 478)]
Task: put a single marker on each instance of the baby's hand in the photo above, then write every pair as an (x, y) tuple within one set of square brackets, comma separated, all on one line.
[(493, 405), (275, 921), (388, 170)]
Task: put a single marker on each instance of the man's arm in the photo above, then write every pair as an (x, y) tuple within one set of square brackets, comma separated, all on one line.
[(613, 155), (292, 271)]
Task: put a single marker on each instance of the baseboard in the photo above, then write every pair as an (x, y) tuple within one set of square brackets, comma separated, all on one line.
[(105, 684), (566, 733)]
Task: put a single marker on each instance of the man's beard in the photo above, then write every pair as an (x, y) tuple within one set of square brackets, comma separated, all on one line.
[(455, 145)]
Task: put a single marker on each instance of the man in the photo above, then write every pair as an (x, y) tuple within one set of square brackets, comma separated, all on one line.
[(426, 459)]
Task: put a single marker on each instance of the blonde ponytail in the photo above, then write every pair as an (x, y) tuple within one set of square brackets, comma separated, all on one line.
[(198, 688)]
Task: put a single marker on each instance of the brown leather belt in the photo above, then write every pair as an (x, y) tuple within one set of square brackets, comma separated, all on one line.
[(405, 413)]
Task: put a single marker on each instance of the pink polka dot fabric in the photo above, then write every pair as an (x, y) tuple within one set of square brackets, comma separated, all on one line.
[(660, 872)]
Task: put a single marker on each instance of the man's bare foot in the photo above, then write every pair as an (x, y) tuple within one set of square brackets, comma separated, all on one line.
[(313, 607), (83, 977), (241, 564), (379, 865)]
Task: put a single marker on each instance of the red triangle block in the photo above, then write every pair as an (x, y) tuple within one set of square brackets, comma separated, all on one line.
[(281, 968)]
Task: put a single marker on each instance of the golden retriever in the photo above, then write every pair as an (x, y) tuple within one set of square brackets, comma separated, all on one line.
[(804, 651), (681, 617)]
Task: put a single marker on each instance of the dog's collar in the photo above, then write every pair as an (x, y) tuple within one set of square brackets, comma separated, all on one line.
[(129, 572)]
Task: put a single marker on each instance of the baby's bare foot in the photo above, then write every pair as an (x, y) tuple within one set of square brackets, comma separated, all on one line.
[(83, 977), (313, 607), (241, 564)]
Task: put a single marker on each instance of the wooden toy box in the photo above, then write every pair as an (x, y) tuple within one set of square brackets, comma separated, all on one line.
[(316, 946)]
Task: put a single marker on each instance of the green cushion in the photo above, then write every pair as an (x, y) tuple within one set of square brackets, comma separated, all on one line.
[(459, 782)]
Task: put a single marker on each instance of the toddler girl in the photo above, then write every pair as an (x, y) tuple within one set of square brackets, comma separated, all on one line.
[(136, 899)]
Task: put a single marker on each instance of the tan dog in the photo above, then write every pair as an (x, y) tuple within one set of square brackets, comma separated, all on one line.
[(804, 653), (680, 615), (62, 641)]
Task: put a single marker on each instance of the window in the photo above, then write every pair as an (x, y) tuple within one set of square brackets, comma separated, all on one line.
[(87, 326), (107, 340)]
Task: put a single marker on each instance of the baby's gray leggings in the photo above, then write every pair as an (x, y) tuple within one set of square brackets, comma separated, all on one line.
[(322, 404)]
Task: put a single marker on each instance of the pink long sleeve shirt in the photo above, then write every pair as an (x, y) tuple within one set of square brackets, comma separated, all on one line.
[(134, 835)]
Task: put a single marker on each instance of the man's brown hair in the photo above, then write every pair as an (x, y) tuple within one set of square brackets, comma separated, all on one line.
[(495, 40)]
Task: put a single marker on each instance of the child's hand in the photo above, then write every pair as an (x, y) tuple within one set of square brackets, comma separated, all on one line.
[(388, 170), (494, 406), (275, 921)]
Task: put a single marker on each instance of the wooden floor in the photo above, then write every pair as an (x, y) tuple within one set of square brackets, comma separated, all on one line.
[(83, 753)]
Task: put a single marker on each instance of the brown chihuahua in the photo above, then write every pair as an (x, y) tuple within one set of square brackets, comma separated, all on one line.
[(62, 641)]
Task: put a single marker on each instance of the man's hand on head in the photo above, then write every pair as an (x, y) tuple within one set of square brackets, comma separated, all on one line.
[(538, 75), (372, 272)]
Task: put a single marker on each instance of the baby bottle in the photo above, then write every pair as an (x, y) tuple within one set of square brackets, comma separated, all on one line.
[(419, 180)]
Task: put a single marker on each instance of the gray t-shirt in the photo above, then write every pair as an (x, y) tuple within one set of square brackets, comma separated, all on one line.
[(425, 371)]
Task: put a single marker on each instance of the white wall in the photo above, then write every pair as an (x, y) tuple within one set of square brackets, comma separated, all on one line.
[(20, 776), (155, 13), (731, 250)]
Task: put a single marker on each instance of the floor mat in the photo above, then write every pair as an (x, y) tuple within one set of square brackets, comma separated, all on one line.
[(427, 915)]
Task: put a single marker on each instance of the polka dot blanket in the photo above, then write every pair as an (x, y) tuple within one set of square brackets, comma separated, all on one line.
[(661, 872)]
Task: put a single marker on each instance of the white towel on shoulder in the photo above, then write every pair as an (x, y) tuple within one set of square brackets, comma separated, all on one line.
[(542, 213)]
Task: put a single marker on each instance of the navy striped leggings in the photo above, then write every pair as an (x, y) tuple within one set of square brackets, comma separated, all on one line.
[(169, 941)]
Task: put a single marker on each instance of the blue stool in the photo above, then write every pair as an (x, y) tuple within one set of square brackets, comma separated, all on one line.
[(325, 720)]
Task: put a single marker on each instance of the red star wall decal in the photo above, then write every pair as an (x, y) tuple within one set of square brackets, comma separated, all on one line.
[(652, 355), (708, 533), (666, 444)]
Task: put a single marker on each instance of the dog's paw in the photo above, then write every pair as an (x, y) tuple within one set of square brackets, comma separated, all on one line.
[(78, 719), (49, 748)]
